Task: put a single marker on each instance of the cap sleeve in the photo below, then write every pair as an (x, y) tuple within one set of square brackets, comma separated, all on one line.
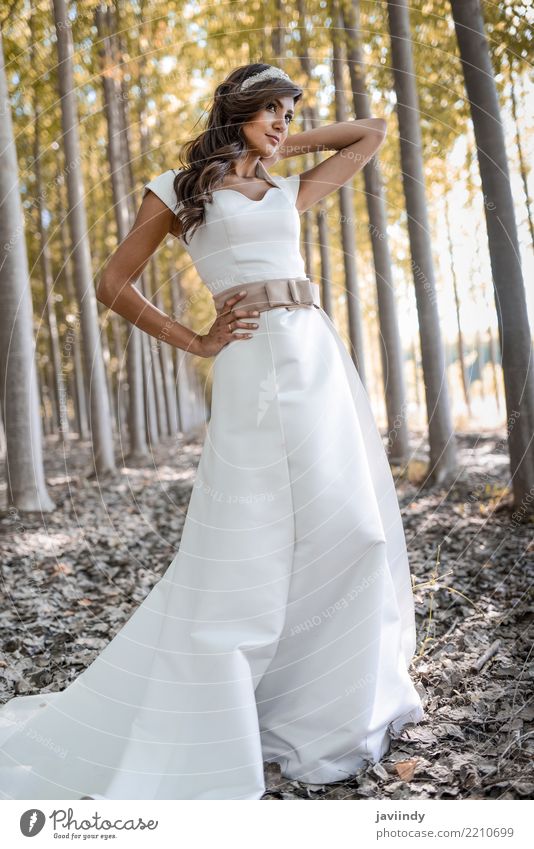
[(291, 186), (162, 186)]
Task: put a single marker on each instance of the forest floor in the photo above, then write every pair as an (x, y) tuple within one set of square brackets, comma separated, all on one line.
[(71, 579)]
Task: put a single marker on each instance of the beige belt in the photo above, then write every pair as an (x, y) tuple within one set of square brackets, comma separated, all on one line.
[(288, 292)]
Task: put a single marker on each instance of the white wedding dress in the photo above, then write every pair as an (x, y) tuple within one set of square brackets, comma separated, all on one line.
[(284, 627)]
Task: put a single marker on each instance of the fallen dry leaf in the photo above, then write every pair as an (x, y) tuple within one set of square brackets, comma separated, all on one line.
[(406, 769)]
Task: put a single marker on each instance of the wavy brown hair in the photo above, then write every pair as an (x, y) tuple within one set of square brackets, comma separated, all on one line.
[(208, 158)]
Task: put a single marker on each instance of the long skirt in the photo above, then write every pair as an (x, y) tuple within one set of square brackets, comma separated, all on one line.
[(283, 628)]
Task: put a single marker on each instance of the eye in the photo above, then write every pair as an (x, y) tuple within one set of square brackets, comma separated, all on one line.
[(289, 117)]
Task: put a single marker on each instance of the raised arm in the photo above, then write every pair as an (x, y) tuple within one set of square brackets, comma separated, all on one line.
[(355, 142)]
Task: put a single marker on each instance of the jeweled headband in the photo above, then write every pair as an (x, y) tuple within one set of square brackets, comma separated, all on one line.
[(267, 74)]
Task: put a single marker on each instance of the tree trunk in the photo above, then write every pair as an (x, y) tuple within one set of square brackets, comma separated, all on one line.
[(60, 386), (346, 209), (151, 412), (277, 30), (106, 353), (134, 365), (26, 485), (460, 343), (2, 436), (155, 344), (306, 217), (136, 419), (111, 326), (120, 57), (44, 400), (167, 370), (102, 435), (123, 407), (71, 382), (418, 400), (49, 378), (72, 341), (523, 170), (390, 342), (321, 213), (493, 359), (324, 252), (481, 362), (493, 353), (323, 242), (144, 146), (510, 296), (442, 443)]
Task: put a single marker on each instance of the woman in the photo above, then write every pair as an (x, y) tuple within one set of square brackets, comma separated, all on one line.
[(284, 627)]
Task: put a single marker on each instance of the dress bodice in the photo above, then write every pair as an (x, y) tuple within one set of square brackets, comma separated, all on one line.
[(242, 240)]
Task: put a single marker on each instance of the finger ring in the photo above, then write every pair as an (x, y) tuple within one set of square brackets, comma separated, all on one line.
[(229, 325)]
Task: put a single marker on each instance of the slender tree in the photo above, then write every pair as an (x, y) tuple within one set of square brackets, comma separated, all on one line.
[(306, 218), (441, 437), (190, 400), (73, 339), (119, 58), (26, 486), (118, 170), (60, 386), (457, 305), (523, 168), (167, 370), (510, 297), (321, 210), (102, 435), (151, 285), (346, 209), (390, 342)]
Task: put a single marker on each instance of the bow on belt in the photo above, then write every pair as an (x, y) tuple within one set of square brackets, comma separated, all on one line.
[(288, 292)]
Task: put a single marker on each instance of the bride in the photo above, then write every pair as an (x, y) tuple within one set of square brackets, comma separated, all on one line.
[(283, 629)]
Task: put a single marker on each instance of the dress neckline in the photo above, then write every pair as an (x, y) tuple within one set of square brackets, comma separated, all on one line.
[(250, 200), (262, 172)]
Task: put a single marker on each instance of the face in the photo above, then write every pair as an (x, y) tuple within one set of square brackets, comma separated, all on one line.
[(270, 126)]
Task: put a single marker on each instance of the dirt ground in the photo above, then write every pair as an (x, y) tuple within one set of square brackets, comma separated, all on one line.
[(70, 579)]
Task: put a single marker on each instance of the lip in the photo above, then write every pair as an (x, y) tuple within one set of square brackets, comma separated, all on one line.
[(274, 138)]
